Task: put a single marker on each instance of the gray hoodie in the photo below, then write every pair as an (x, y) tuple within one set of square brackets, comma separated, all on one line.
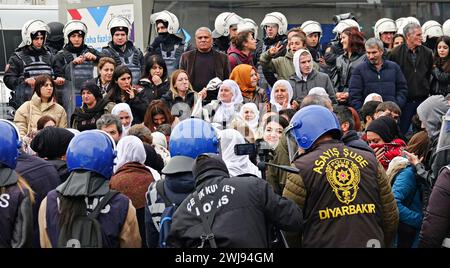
[(430, 112)]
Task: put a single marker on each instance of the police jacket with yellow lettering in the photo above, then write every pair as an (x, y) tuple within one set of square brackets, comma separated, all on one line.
[(346, 198), (247, 206)]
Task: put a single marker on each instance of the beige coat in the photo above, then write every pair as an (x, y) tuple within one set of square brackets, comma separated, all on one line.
[(29, 113)]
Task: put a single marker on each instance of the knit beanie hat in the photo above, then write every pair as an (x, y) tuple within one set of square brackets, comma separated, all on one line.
[(51, 142), (385, 127), (93, 88)]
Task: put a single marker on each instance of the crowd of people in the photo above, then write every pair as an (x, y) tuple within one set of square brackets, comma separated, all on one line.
[(246, 142)]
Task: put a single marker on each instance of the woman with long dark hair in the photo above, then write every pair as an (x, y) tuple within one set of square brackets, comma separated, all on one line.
[(352, 42), (42, 103), (440, 84), (122, 91), (155, 78), (157, 114)]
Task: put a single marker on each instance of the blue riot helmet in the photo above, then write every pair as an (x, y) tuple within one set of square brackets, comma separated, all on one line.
[(192, 137), (189, 139), (310, 123), (10, 143), (92, 150)]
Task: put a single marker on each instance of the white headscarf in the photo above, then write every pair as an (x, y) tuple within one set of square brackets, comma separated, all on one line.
[(226, 110), (159, 139), (236, 164), (288, 86), (296, 60), (123, 107), (160, 144), (371, 96), (129, 149), (253, 124)]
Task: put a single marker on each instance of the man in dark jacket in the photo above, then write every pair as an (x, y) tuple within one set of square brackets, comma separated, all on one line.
[(376, 75), (231, 200), (416, 62), (194, 62), (339, 188), (178, 181)]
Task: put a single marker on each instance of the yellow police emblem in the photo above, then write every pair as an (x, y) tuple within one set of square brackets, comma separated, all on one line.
[(343, 176)]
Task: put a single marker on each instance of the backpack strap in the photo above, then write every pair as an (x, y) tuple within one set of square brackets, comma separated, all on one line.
[(102, 204), (208, 234), (162, 193)]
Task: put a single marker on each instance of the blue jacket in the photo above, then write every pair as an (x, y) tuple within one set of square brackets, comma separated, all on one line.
[(389, 82), (408, 195)]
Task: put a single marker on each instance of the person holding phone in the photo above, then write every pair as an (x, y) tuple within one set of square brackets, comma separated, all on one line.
[(384, 138)]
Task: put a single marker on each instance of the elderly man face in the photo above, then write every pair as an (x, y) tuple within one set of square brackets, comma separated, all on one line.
[(414, 38), (203, 41)]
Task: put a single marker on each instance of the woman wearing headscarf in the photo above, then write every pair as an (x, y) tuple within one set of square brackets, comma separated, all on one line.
[(237, 164), (281, 96), (250, 114), (123, 111), (246, 76), (228, 103), (51, 143), (160, 144), (93, 107), (384, 138), (131, 177)]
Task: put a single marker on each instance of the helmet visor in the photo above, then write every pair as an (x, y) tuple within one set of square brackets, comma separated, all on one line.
[(292, 145), (444, 136)]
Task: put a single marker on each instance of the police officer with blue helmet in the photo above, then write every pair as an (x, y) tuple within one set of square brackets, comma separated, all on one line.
[(90, 161), (339, 188), (16, 196), (190, 138)]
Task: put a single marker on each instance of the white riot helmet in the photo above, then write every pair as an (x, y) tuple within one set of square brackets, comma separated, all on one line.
[(248, 24), (344, 24), (399, 21), (384, 25), (311, 26), (32, 27), (223, 22), (431, 29), (446, 28), (121, 23), (71, 26), (172, 21), (276, 18), (405, 21)]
